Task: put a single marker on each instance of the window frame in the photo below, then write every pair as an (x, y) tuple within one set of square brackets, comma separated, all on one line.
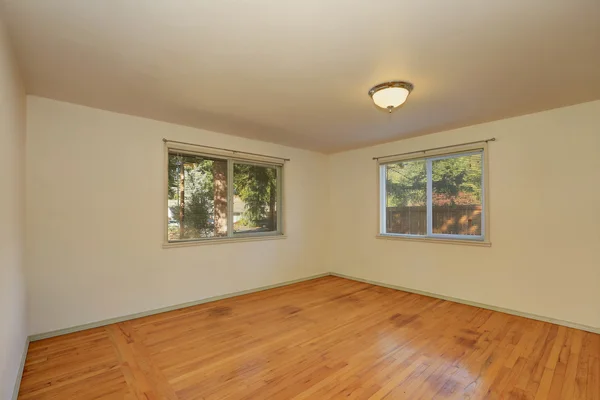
[(231, 160), (429, 157)]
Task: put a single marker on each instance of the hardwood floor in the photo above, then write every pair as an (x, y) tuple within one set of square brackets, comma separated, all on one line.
[(320, 339)]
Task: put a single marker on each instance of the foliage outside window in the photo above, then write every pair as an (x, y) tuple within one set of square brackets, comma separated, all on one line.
[(217, 197), (440, 197)]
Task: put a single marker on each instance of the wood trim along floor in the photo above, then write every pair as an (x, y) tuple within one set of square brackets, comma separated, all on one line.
[(77, 328), (568, 324), (96, 324)]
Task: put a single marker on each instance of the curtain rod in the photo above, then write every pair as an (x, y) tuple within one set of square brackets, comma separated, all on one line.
[(435, 148), (221, 148)]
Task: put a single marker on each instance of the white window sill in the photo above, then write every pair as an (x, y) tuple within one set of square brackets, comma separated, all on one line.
[(205, 242), (464, 242)]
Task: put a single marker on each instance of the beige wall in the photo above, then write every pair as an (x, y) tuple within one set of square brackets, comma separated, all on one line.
[(13, 330), (95, 219), (544, 209)]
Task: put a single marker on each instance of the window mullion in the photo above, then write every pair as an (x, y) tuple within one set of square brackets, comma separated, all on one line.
[(429, 199), (230, 198)]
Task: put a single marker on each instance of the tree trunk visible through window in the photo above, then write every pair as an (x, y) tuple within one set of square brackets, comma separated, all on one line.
[(220, 198), (272, 200)]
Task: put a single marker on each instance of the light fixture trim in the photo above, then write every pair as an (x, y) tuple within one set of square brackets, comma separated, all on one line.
[(389, 85)]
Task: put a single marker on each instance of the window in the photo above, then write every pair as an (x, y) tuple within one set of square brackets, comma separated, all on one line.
[(440, 197), (212, 197)]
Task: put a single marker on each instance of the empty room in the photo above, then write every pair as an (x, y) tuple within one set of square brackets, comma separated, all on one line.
[(318, 199)]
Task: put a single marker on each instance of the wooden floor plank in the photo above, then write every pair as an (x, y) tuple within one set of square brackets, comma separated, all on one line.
[(320, 339)]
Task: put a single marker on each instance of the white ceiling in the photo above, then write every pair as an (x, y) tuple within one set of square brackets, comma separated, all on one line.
[(298, 73)]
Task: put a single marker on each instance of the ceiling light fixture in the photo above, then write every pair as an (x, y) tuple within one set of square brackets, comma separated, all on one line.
[(390, 95)]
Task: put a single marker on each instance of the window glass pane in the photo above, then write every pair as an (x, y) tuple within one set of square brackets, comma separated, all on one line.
[(457, 195), (255, 198), (405, 197), (197, 203)]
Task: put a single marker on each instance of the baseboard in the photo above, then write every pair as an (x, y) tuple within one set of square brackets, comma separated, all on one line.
[(115, 320), (20, 373), (475, 304), (33, 338)]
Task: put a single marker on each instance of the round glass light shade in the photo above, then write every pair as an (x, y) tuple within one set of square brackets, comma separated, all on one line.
[(390, 95)]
